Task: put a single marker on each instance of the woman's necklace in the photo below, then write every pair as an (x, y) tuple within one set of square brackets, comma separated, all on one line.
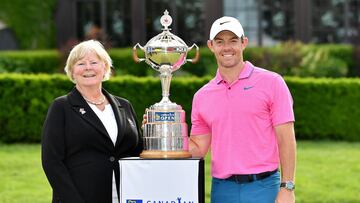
[(95, 103)]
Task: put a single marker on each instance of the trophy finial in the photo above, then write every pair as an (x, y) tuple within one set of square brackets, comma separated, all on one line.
[(166, 20)]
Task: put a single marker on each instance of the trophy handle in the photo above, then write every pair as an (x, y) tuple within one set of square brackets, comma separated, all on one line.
[(135, 56), (197, 55)]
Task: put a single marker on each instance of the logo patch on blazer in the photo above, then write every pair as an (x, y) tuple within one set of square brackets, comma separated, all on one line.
[(82, 111), (130, 122)]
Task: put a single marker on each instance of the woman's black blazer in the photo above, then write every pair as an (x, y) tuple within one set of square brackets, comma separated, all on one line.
[(78, 155)]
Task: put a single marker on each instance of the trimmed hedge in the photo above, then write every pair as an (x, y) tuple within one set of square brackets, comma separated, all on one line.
[(42, 61), (324, 108), (289, 58)]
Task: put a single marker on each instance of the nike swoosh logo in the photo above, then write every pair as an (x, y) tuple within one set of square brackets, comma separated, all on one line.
[(247, 88), (224, 22)]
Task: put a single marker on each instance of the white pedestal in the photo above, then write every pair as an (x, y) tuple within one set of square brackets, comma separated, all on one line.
[(161, 180)]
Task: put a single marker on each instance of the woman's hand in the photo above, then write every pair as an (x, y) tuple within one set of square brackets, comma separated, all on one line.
[(144, 121)]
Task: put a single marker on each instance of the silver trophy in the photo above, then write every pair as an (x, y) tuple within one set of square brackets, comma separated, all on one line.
[(165, 133)]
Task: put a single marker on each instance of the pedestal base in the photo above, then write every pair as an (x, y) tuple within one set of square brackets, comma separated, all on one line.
[(158, 154), (161, 180)]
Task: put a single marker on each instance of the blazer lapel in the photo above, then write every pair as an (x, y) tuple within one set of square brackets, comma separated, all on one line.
[(81, 108), (119, 113)]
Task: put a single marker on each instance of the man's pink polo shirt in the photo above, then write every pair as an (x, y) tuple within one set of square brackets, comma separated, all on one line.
[(241, 117)]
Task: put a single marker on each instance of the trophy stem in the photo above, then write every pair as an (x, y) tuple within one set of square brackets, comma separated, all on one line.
[(165, 78)]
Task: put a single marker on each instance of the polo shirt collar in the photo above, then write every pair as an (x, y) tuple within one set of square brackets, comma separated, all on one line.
[(218, 78), (245, 73)]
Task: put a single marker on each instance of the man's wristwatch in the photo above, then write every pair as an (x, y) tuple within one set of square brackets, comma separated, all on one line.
[(289, 185)]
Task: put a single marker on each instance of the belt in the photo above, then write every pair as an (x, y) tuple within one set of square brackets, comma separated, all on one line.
[(247, 178)]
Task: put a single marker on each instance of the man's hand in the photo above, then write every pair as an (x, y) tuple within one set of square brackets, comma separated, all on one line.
[(199, 145), (285, 196)]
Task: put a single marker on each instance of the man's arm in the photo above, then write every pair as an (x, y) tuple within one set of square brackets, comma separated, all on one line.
[(287, 152), (199, 145)]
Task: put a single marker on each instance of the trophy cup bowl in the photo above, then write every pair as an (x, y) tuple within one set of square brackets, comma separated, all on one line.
[(165, 134)]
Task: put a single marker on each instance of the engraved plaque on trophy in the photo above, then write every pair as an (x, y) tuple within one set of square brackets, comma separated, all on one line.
[(165, 133)]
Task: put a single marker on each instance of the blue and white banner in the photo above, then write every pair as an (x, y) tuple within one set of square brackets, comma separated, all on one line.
[(159, 181)]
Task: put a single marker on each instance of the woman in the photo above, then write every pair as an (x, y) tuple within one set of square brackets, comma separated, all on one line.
[(87, 131)]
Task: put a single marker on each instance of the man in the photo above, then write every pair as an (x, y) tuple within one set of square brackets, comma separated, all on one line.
[(245, 115)]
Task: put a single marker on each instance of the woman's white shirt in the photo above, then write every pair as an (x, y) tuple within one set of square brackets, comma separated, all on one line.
[(107, 118)]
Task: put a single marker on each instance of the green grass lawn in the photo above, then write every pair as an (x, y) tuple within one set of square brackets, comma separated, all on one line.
[(326, 172), (21, 176)]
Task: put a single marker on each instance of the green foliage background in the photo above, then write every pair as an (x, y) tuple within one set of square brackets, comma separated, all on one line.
[(291, 58), (32, 22), (325, 109)]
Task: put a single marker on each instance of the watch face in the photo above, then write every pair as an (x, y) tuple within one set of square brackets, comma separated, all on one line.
[(289, 185)]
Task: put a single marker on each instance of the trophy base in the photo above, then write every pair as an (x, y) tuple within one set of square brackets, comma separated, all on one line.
[(158, 154)]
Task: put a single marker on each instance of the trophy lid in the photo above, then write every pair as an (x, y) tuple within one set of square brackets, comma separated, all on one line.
[(166, 48)]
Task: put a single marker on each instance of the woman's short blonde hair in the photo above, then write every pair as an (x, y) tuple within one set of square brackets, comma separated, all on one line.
[(83, 48)]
